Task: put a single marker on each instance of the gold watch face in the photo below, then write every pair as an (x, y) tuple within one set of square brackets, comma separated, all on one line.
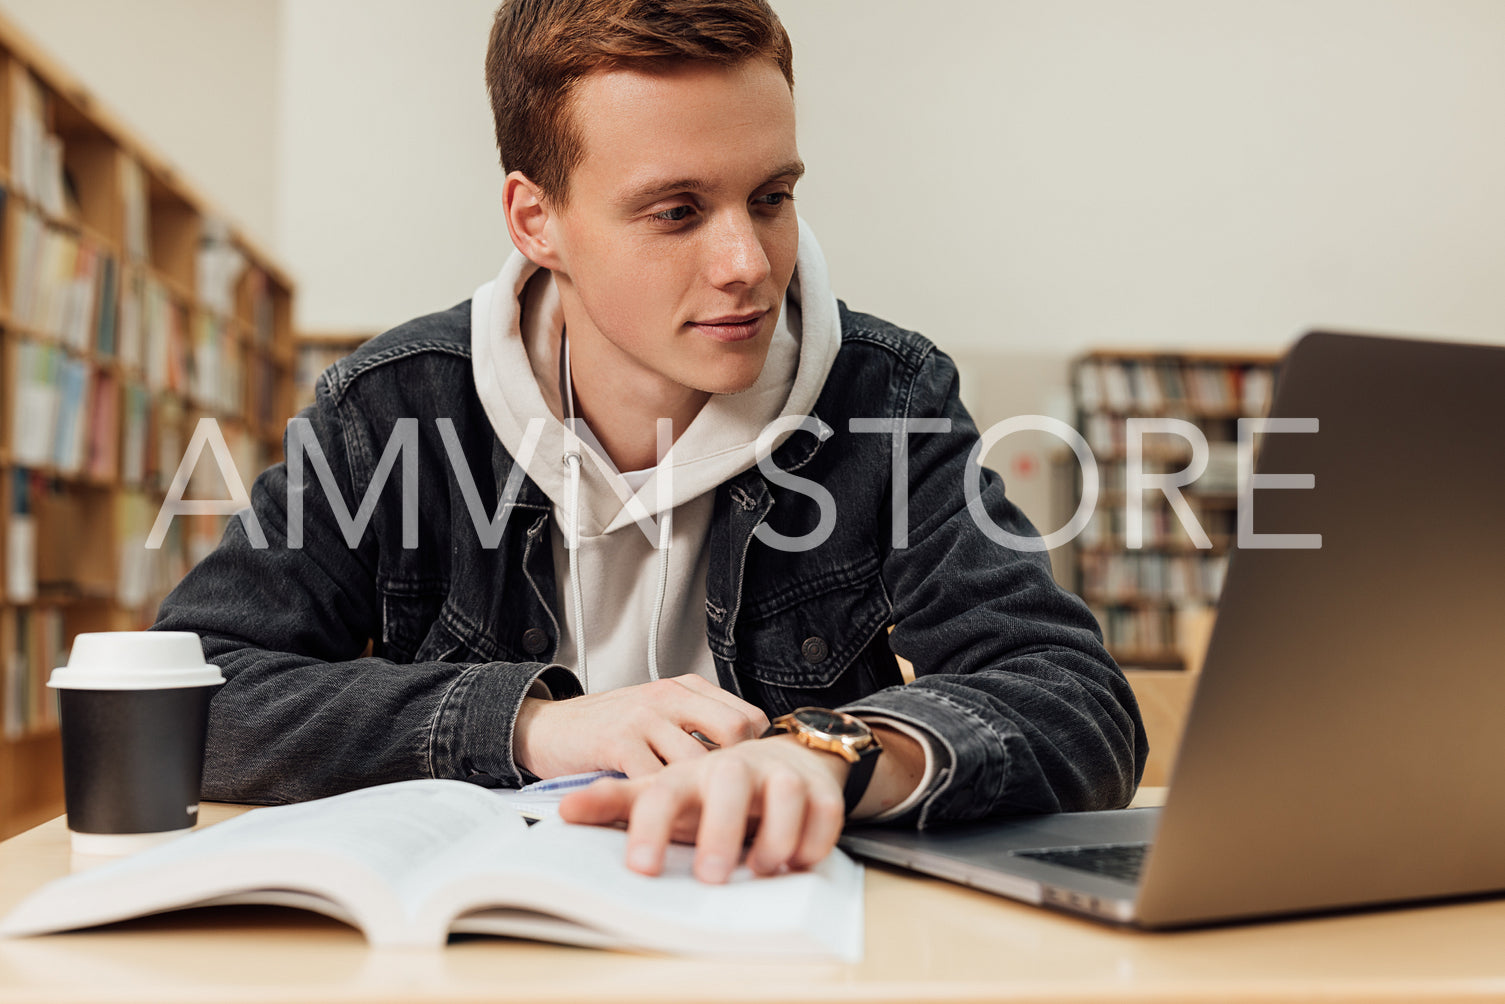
[(832, 724)]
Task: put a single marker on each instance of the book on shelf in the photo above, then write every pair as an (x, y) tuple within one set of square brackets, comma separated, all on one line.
[(166, 435), (1118, 390), (263, 391), (36, 156), (137, 217), (135, 427), (34, 403), (1214, 389), (263, 316), (102, 443), (20, 539), (1136, 630), (218, 265), (56, 281), (1148, 397), (73, 377), (34, 643), (412, 862), (1148, 576), (109, 307), (216, 376), (1173, 385), (64, 412), (130, 344), (165, 355), (137, 565), (1089, 385), (1258, 389)]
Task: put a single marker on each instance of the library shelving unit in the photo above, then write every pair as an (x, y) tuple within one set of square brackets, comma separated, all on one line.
[(129, 310), (1156, 602)]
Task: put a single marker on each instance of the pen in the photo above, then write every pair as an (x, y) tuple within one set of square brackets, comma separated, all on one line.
[(569, 781)]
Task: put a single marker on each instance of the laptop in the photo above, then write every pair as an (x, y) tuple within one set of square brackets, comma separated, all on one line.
[(1346, 743)]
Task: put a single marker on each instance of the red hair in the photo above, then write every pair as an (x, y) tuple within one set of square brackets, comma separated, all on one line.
[(540, 48)]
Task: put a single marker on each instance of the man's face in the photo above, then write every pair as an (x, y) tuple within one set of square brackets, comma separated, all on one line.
[(679, 221)]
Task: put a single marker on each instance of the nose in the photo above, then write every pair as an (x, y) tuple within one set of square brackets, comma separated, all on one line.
[(736, 255)]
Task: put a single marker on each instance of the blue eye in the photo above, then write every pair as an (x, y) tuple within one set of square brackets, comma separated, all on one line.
[(782, 198), (668, 218)]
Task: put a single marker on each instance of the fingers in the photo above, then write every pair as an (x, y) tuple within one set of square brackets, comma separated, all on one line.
[(601, 803), (825, 814), (784, 798), (653, 819), (756, 719), (672, 744), (710, 798), (726, 795), (637, 759), (725, 718)]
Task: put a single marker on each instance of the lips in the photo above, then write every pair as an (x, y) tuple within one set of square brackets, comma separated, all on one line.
[(732, 327), (735, 318)]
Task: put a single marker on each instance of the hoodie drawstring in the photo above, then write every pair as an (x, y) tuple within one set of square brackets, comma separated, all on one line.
[(572, 461), (665, 534), (665, 529)]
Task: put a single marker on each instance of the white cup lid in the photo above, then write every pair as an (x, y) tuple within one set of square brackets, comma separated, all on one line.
[(135, 660)]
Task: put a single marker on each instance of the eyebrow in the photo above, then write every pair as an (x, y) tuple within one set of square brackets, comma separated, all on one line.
[(656, 189)]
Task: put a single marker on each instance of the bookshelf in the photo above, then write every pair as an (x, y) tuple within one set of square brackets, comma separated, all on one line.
[(1143, 596), (1156, 602), (129, 310)]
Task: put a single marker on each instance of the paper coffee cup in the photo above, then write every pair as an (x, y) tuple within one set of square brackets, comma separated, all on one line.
[(134, 710)]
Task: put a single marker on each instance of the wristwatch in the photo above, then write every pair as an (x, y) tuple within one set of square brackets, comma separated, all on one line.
[(835, 732)]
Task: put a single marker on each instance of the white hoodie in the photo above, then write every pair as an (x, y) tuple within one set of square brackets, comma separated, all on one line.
[(633, 609)]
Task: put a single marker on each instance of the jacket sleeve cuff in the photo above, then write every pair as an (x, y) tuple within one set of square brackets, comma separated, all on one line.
[(933, 757), (970, 756), (472, 731)]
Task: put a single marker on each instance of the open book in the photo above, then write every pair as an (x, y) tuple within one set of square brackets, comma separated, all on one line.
[(412, 862)]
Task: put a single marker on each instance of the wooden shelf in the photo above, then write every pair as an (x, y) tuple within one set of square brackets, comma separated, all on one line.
[(124, 212)]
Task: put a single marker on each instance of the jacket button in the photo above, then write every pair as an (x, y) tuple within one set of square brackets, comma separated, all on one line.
[(815, 649), (535, 640)]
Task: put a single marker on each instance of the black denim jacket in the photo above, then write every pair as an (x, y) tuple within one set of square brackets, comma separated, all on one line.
[(1029, 712)]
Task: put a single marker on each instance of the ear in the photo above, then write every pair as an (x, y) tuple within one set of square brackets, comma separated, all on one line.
[(530, 221)]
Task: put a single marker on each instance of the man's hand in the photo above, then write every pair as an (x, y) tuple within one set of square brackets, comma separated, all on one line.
[(792, 793), (636, 730)]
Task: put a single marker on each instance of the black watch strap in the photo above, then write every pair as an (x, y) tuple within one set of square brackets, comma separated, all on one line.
[(860, 775)]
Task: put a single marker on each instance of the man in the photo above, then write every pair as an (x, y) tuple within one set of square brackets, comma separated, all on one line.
[(672, 489)]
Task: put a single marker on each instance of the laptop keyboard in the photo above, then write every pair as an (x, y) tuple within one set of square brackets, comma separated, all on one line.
[(1120, 861)]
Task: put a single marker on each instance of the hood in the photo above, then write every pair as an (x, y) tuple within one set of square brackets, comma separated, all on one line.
[(516, 326)]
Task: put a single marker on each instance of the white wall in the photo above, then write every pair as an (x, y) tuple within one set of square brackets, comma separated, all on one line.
[(196, 81), (1005, 175), (391, 190), (1181, 172)]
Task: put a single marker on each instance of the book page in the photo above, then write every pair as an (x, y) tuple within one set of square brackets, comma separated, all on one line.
[(578, 874), (364, 851), (394, 830)]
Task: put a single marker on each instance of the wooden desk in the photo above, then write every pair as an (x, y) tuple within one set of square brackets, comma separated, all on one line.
[(926, 941)]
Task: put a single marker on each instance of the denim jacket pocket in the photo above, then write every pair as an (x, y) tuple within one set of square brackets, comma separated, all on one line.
[(409, 615), (826, 649)]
